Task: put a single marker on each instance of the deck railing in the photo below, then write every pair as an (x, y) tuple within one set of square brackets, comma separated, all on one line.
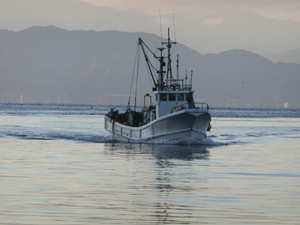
[(172, 87), (200, 105)]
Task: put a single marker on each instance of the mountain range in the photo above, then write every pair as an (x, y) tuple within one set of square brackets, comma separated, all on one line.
[(53, 65), (292, 56)]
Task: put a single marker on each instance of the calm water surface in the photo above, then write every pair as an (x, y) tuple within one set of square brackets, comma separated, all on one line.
[(58, 166)]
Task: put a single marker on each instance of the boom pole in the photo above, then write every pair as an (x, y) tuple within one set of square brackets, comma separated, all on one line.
[(141, 43)]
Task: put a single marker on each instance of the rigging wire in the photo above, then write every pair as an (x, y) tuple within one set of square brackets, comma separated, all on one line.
[(133, 75), (137, 76)]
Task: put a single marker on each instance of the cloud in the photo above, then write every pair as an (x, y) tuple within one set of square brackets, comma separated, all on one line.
[(288, 11), (276, 9), (212, 21)]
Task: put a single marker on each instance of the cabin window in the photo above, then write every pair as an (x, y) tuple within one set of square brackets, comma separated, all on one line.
[(172, 97), (163, 97), (180, 97)]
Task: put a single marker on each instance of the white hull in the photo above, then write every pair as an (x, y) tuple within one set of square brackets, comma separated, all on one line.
[(173, 119), (187, 126)]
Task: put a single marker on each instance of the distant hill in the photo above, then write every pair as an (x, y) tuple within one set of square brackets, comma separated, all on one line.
[(52, 65), (292, 56)]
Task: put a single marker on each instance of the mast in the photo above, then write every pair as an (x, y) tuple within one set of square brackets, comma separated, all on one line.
[(169, 44), (160, 84), (161, 71)]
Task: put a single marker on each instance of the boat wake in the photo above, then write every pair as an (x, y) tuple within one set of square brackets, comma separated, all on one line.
[(210, 142), (93, 136), (59, 136), (96, 136)]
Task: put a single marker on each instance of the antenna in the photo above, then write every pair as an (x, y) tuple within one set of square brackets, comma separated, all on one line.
[(191, 80), (186, 78), (177, 67), (160, 25), (174, 25)]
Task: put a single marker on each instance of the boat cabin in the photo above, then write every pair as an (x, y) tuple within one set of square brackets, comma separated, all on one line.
[(172, 97)]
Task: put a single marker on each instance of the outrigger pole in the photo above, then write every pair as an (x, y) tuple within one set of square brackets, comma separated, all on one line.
[(142, 43)]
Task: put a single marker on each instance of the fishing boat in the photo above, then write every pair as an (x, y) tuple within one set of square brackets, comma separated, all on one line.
[(174, 117)]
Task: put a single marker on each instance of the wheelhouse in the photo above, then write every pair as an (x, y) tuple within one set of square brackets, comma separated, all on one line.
[(172, 94)]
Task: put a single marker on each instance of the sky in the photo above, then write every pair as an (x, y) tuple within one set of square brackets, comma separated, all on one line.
[(208, 26)]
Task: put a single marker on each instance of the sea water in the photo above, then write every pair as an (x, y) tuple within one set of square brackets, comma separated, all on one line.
[(59, 166)]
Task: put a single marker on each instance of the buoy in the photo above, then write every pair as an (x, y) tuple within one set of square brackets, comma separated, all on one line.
[(209, 127)]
